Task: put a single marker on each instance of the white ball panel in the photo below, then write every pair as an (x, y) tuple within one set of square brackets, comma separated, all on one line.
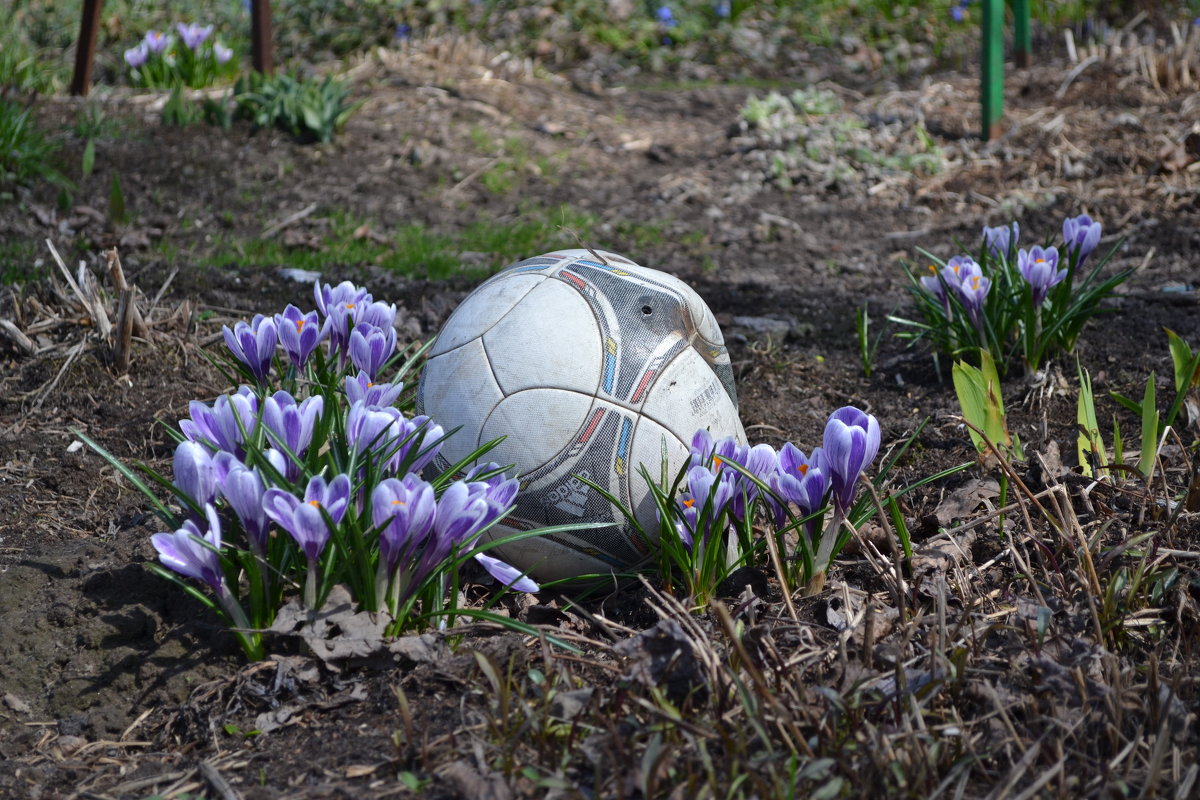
[(457, 388), (545, 559), (483, 308), (647, 449), (537, 424), (688, 396), (550, 339)]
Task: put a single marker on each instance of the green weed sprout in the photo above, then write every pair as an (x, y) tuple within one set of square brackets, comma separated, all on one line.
[(308, 109), (1026, 305), (867, 347), (979, 397), (309, 475)]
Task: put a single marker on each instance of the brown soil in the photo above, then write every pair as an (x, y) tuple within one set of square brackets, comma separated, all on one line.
[(115, 684)]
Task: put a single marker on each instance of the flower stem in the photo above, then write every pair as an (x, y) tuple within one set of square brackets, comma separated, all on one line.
[(310, 585)]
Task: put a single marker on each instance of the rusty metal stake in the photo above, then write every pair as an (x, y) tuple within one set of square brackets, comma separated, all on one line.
[(85, 48)]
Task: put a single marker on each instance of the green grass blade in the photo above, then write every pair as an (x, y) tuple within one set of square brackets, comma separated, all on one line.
[(1149, 429), (164, 513)]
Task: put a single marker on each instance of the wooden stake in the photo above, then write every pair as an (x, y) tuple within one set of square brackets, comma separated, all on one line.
[(85, 47), (118, 278), (260, 36), (124, 339)]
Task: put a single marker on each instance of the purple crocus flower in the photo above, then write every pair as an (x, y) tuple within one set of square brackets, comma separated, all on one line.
[(1082, 235), (361, 389), (704, 451), (723, 8), (253, 344), (802, 480), (194, 475), (244, 490), (762, 462), (375, 430), (227, 424), (707, 497), (371, 347), (379, 314), (463, 511), (499, 491), (665, 17), (289, 425), (136, 56), (936, 286), (851, 443), (973, 293), (960, 269), (342, 305), (386, 433), (193, 552), (156, 41), (405, 511), (1039, 267), (345, 293), (1000, 239), (952, 275), (303, 519), (193, 35), (222, 53), (300, 333)]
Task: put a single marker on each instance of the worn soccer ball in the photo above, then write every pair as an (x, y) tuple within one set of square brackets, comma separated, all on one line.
[(588, 365)]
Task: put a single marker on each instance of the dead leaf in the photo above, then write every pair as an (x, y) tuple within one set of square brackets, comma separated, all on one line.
[(337, 632), (16, 704), (663, 656), (470, 782), (361, 770), (568, 705), (965, 500)]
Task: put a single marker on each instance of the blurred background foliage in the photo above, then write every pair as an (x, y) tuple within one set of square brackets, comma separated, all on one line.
[(751, 38)]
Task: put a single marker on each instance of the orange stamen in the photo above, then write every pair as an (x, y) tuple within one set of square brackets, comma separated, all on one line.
[(802, 469), (314, 503), (300, 325)]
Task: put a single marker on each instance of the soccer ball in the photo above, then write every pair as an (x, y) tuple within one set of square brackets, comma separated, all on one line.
[(588, 365)]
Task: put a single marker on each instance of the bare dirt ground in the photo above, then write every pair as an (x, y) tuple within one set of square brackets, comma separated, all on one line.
[(116, 685)]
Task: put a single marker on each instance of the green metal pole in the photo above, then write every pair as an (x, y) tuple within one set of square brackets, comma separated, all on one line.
[(1022, 50), (993, 67)]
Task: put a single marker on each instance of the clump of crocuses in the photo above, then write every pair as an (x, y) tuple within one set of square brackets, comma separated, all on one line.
[(190, 56), (1021, 304), (311, 473), (729, 493)]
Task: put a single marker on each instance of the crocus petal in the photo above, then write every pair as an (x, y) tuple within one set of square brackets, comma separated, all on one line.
[(508, 575)]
